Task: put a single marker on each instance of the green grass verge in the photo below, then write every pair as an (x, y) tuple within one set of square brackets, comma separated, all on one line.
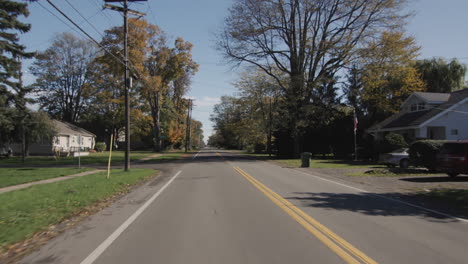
[(455, 197), (25, 212), (320, 163), (92, 158), (394, 172), (14, 176)]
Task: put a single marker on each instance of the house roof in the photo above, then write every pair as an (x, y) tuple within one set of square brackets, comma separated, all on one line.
[(64, 128), (412, 119), (433, 97)]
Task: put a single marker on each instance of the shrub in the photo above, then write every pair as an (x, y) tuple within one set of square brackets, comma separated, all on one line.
[(424, 153), (100, 146)]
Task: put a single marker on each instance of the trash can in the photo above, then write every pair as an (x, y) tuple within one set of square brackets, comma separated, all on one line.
[(305, 159)]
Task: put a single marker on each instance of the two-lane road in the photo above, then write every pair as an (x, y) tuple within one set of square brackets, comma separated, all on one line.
[(224, 208)]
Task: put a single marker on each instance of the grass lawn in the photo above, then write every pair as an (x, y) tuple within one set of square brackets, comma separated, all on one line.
[(320, 163), (395, 172), (14, 176), (92, 158), (25, 212), (455, 197)]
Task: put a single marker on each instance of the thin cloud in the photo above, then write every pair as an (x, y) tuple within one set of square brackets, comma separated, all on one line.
[(207, 101)]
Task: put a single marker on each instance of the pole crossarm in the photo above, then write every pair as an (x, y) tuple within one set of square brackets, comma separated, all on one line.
[(121, 9)]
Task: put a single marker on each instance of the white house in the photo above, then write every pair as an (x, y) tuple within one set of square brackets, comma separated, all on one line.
[(428, 116), (68, 140)]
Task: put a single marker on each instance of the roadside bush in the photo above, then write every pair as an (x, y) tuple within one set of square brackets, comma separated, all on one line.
[(100, 146), (424, 153)]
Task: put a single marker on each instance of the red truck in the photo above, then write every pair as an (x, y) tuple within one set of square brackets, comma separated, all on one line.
[(453, 158)]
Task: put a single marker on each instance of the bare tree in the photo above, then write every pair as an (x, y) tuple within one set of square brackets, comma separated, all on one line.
[(62, 73), (308, 40)]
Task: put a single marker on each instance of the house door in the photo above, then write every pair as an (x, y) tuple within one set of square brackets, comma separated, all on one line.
[(436, 133)]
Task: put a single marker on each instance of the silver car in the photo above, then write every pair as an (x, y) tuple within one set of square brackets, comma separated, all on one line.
[(399, 157)]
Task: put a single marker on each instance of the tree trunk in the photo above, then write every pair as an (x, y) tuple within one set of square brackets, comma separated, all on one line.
[(297, 146), (296, 103), (23, 141)]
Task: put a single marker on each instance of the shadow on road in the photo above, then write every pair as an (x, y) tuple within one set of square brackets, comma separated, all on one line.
[(436, 179), (205, 157), (375, 204)]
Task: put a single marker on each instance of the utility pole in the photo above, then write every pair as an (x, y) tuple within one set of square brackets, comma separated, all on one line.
[(188, 125), (269, 131), (127, 79), (355, 122)]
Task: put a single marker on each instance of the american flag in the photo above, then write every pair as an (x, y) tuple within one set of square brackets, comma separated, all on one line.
[(355, 123)]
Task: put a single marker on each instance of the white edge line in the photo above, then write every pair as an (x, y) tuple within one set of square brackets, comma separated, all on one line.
[(104, 245), (387, 198), (196, 155)]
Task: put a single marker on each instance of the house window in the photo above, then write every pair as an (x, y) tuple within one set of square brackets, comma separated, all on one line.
[(454, 132), (418, 107)]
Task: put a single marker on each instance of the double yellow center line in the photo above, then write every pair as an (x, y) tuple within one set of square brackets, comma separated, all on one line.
[(343, 249)]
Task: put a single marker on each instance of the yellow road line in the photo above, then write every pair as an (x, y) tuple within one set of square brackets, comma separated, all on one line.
[(329, 238)]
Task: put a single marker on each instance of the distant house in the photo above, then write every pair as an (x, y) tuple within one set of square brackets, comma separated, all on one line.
[(69, 140), (428, 116)]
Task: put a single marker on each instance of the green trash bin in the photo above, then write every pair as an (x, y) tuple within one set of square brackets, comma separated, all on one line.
[(305, 159)]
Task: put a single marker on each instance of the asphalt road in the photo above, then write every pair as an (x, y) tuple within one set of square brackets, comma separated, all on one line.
[(224, 208)]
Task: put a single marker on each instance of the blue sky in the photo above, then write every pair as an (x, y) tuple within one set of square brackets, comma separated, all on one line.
[(440, 28)]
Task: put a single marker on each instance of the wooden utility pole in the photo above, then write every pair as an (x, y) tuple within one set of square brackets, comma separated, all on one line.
[(188, 126), (355, 122), (269, 130), (127, 79)]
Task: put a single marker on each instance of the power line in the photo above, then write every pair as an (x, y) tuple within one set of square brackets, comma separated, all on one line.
[(52, 13), (151, 12), (99, 6), (85, 19), (90, 37)]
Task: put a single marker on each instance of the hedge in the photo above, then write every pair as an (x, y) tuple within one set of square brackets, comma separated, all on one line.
[(424, 153)]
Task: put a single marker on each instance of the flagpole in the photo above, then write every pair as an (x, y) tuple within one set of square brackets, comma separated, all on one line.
[(355, 131)]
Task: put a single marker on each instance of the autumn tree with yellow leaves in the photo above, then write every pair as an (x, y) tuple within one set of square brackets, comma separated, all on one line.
[(161, 77), (388, 73)]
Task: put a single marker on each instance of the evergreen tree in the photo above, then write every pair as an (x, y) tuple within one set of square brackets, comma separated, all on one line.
[(11, 87), (11, 50), (352, 89)]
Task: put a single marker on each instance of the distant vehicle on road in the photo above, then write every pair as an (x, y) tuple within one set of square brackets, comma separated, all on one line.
[(399, 157), (453, 158)]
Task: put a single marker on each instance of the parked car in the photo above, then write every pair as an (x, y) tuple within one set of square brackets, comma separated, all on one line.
[(399, 157), (453, 158), (5, 151)]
